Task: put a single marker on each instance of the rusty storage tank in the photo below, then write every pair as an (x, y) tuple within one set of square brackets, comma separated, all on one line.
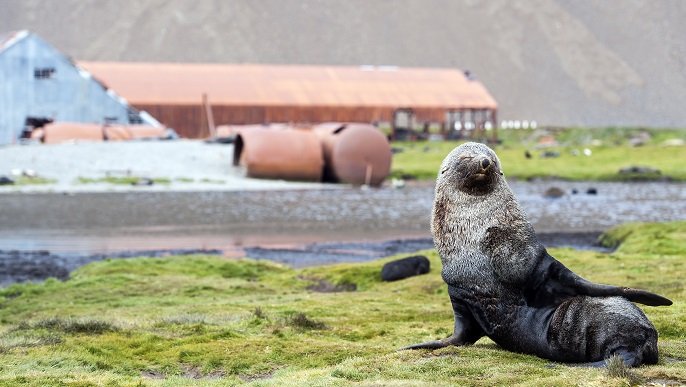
[(133, 132), (56, 132), (279, 153), (354, 153)]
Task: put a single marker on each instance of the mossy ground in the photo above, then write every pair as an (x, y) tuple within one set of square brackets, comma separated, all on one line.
[(209, 320), (610, 152), (127, 180), (37, 180)]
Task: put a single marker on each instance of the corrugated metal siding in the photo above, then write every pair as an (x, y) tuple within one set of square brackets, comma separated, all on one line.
[(256, 94), (68, 95), (190, 121)]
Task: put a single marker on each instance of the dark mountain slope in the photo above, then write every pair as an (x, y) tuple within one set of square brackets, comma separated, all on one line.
[(584, 62)]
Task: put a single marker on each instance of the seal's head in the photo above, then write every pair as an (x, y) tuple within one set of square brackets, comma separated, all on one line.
[(472, 168)]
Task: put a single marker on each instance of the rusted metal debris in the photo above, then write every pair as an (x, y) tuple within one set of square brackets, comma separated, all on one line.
[(56, 132), (353, 153), (279, 153)]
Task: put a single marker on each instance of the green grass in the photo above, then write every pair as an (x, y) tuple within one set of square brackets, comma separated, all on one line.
[(210, 320), (26, 180), (127, 180), (610, 152)]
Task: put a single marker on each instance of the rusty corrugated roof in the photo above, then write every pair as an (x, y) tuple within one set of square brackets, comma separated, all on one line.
[(291, 85)]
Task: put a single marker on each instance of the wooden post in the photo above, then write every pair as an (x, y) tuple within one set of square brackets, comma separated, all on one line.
[(210, 117)]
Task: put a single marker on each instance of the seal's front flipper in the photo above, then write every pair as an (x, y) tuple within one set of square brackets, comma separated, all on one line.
[(467, 330)]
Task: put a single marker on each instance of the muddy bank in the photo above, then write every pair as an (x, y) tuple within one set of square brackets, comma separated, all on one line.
[(295, 227), (35, 266)]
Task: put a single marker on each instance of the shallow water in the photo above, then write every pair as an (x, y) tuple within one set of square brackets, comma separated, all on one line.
[(88, 223)]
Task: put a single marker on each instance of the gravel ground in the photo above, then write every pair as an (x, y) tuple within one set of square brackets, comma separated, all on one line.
[(190, 165)]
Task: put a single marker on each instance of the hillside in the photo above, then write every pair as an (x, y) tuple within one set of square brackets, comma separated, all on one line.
[(610, 63)]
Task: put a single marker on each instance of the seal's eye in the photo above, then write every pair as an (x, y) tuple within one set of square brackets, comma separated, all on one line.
[(463, 158)]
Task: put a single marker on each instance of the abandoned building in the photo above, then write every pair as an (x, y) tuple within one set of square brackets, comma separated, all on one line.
[(191, 97), (41, 85)]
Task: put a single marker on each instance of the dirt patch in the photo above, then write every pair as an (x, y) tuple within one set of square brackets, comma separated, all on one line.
[(324, 286), (192, 372), (153, 375), (253, 378)]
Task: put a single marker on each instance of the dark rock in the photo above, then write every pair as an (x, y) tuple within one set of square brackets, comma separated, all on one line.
[(592, 191), (4, 180), (554, 192), (405, 268), (324, 286)]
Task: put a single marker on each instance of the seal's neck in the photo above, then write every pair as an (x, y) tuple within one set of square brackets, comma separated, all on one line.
[(460, 220)]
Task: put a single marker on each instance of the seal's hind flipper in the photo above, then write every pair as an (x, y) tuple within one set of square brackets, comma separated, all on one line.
[(634, 295), (554, 283), (620, 359), (645, 297)]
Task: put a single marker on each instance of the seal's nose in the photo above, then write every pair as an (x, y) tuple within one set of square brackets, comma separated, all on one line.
[(485, 163)]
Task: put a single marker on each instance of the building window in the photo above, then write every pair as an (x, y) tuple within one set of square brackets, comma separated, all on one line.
[(44, 72)]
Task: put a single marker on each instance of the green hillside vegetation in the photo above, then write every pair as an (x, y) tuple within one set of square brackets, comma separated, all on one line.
[(211, 320), (611, 151)]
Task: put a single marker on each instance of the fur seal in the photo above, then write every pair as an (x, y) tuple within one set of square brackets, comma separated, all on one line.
[(503, 283)]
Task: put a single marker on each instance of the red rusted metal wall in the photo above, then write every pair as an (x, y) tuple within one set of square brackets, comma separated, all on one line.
[(241, 94), (190, 121)]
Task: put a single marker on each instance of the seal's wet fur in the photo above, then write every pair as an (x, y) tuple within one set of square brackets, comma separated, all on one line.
[(503, 284)]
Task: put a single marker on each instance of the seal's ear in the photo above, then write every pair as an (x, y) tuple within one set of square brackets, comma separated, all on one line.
[(444, 170)]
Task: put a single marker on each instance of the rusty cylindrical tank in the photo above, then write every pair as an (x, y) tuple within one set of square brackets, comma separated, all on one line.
[(354, 153), (56, 132), (278, 153), (133, 132)]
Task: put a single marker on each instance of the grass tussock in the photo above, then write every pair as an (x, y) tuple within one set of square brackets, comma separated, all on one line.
[(300, 320), (616, 368), (210, 320)]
